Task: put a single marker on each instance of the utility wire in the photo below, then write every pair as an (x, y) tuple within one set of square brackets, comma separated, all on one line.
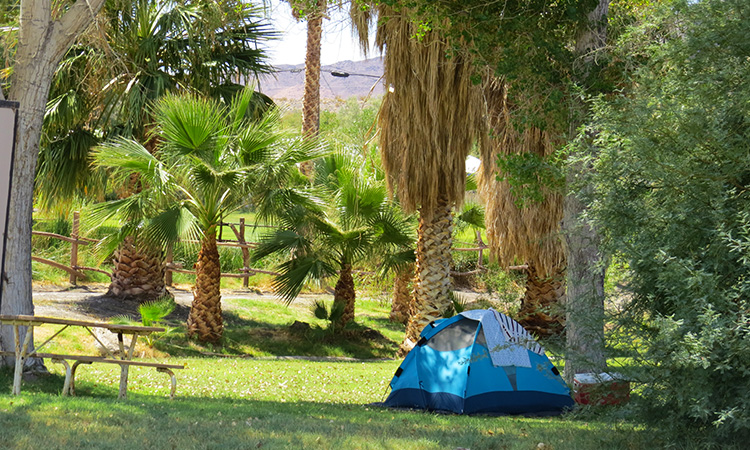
[(335, 73)]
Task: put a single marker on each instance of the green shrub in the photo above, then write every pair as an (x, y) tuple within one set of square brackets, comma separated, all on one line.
[(672, 199)]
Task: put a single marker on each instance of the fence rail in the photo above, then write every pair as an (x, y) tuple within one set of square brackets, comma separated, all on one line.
[(77, 271)]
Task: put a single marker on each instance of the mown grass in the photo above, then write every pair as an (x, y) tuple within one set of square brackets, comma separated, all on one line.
[(263, 326), (248, 403), (267, 327), (238, 401)]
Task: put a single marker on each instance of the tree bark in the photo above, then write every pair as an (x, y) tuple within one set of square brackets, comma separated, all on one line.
[(42, 42), (205, 318), (311, 99), (344, 293), (586, 264), (542, 312), (433, 272), (402, 295), (138, 272), (585, 297)]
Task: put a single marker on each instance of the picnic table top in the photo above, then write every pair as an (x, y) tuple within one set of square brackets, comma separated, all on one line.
[(39, 320)]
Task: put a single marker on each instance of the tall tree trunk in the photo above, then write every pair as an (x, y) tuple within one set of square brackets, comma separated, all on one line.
[(541, 310), (586, 264), (433, 272), (138, 272), (205, 319), (311, 99), (344, 293), (42, 42), (403, 294)]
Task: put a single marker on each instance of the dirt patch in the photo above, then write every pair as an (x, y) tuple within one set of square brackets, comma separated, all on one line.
[(104, 308), (91, 302)]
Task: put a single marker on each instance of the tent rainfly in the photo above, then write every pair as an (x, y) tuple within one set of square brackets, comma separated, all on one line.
[(479, 361)]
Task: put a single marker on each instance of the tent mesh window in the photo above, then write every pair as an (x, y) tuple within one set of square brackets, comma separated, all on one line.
[(481, 340), (455, 336)]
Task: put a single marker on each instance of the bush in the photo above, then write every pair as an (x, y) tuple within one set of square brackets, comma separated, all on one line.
[(673, 200)]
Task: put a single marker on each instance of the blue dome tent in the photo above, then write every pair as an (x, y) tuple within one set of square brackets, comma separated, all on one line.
[(479, 361)]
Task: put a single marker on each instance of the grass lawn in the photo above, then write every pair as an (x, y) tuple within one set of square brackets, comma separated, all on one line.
[(251, 398), (228, 403)]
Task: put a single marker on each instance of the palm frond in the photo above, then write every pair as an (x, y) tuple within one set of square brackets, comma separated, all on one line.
[(472, 214), (171, 224), (156, 310), (393, 229), (288, 241), (274, 204), (190, 125), (396, 262), (295, 273), (123, 157), (471, 182), (109, 243)]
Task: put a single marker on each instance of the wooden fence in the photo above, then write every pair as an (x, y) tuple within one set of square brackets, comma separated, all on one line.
[(77, 271)]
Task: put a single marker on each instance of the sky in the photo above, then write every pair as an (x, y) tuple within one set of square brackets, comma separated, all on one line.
[(338, 42)]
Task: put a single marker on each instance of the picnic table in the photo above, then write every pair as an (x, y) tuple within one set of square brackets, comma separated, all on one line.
[(23, 352)]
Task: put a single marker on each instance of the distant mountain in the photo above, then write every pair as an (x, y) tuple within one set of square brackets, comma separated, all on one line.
[(287, 85)]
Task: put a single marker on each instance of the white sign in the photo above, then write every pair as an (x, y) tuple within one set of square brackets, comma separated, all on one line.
[(8, 122)]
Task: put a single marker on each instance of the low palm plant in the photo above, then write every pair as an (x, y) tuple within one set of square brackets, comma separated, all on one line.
[(211, 159), (355, 223), (332, 315)]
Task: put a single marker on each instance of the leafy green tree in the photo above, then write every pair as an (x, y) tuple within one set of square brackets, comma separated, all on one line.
[(354, 223), (672, 194), (211, 159)]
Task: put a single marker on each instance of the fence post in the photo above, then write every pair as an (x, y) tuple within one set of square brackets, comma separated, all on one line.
[(168, 262), (245, 254), (74, 247), (480, 244)]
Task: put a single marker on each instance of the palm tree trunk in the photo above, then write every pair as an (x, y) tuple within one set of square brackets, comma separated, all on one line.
[(344, 293), (205, 319), (433, 278), (311, 99), (138, 272), (402, 295), (541, 308)]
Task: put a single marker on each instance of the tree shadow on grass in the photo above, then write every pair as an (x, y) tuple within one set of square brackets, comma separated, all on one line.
[(253, 337), (384, 322), (245, 422)]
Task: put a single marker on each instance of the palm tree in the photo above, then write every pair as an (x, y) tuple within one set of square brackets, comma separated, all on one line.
[(471, 216), (356, 223), (209, 161), (314, 11), (108, 83), (428, 124), (529, 232), (163, 46), (146, 48)]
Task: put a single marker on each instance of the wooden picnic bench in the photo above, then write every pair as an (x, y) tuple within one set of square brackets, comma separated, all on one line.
[(22, 351)]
